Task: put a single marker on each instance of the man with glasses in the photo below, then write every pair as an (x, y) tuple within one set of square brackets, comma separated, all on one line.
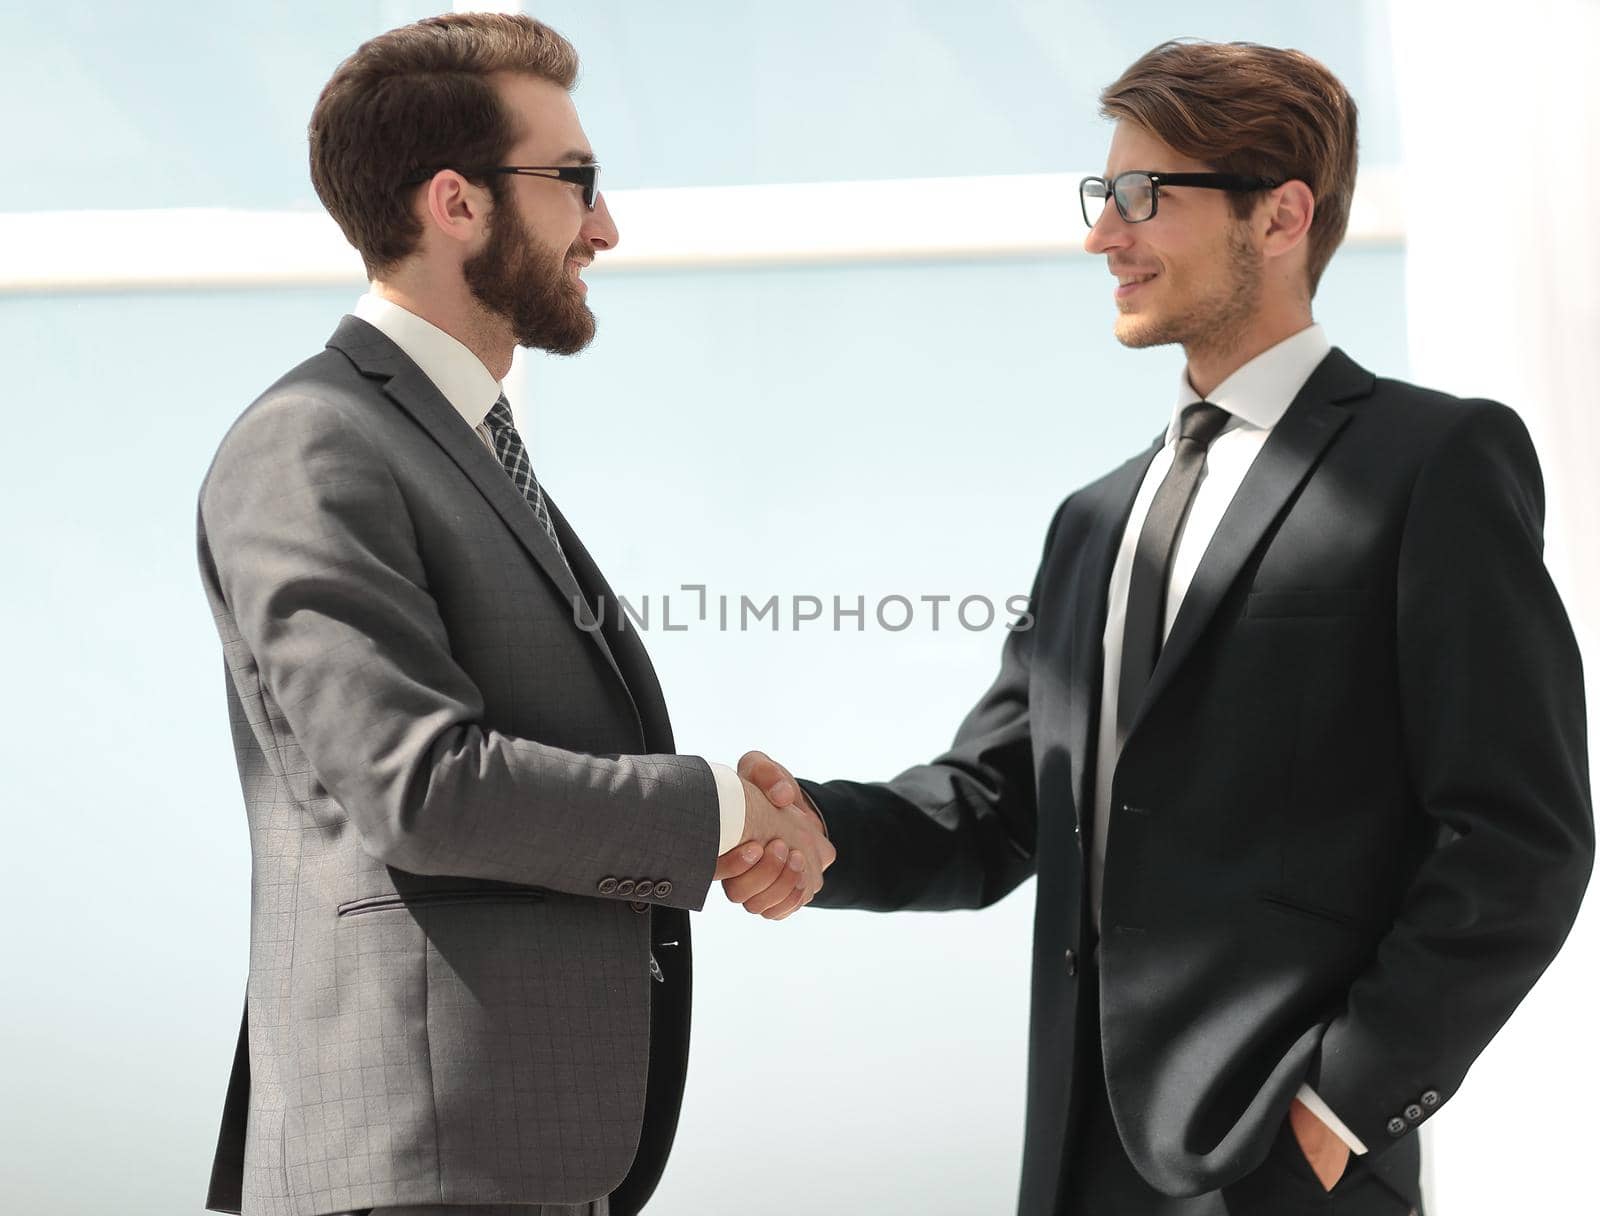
[(474, 846), (1296, 746)]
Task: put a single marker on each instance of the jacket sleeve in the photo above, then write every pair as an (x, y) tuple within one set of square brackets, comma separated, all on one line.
[(306, 540), (958, 832), (1491, 692)]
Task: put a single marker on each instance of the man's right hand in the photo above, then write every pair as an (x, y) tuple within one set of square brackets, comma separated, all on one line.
[(777, 783), (777, 869)]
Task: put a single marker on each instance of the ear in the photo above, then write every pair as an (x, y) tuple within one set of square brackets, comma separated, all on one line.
[(454, 206), (1288, 213)]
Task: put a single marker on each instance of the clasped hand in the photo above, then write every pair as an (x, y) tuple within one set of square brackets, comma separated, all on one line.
[(777, 869)]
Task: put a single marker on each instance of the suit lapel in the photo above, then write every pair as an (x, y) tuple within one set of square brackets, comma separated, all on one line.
[(1284, 462), (626, 647), (1108, 509), (377, 357)]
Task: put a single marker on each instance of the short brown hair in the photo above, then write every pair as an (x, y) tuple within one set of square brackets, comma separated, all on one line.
[(415, 100), (1258, 110)]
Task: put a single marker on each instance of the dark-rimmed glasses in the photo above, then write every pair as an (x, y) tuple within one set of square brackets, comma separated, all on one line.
[(587, 176), (1137, 191)]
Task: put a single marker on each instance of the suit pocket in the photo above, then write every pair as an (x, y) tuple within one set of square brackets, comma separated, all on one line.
[(1286, 1149), (1309, 911), (1299, 604), (433, 899)]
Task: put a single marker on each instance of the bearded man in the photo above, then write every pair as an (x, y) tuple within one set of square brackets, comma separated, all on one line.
[(474, 847)]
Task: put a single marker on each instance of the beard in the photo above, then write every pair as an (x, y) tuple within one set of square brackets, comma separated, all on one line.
[(1218, 317), (524, 282)]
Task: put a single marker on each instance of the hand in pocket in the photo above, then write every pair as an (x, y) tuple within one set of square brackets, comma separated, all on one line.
[(1327, 1155)]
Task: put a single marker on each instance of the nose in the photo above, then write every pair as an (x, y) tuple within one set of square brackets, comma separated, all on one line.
[(1109, 232), (599, 230)]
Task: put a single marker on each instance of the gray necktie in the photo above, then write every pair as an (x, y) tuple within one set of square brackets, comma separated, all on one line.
[(1144, 624), (508, 446)]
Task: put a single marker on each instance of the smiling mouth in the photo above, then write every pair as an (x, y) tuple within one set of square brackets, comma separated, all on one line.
[(576, 268), (1127, 284)]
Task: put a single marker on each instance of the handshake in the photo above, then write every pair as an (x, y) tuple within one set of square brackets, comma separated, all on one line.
[(778, 868)]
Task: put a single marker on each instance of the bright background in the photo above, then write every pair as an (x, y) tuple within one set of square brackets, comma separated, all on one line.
[(826, 424)]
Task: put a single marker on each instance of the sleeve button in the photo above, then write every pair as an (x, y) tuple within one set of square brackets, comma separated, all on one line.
[(608, 886), (1397, 1126), (625, 887)]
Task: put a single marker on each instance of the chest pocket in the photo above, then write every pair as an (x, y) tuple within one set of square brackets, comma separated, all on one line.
[(1322, 602)]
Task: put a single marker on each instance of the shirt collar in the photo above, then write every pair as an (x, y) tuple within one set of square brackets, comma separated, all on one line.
[(1259, 393), (455, 371)]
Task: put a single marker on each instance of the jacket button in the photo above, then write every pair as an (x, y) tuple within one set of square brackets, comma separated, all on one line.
[(608, 886), (1397, 1126), (663, 889), (639, 907), (625, 887), (1072, 962), (1431, 1098), (1414, 1112)]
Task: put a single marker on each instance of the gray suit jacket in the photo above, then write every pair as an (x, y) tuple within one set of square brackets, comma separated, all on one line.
[(466, 825)]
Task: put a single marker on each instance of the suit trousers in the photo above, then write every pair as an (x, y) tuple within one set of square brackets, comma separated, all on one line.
[(600, 1207), (1103, 1182)]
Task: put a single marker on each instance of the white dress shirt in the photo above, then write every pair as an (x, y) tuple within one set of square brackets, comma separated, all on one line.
[(1256, 396), (467, 385)]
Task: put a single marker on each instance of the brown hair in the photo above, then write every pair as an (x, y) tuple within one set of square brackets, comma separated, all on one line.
[(1259, 110), (415, 100)]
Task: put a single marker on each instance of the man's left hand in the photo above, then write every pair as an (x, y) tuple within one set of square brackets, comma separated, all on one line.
[(1327, 1154)]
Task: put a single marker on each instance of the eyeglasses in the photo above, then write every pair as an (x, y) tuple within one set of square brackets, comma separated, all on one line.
[(587, 176), (1137, 191)]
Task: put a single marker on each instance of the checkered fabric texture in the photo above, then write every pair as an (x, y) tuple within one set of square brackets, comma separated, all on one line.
[(439, 768), (513, 455)]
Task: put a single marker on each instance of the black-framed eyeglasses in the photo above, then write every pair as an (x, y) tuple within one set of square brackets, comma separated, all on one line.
[(1137, 191), (587, 176)]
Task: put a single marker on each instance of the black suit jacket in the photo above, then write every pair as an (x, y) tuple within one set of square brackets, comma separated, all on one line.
[(1351, 824)]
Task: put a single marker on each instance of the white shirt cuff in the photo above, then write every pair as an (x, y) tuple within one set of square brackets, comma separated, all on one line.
[(1321, 1110), (730, 804)]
